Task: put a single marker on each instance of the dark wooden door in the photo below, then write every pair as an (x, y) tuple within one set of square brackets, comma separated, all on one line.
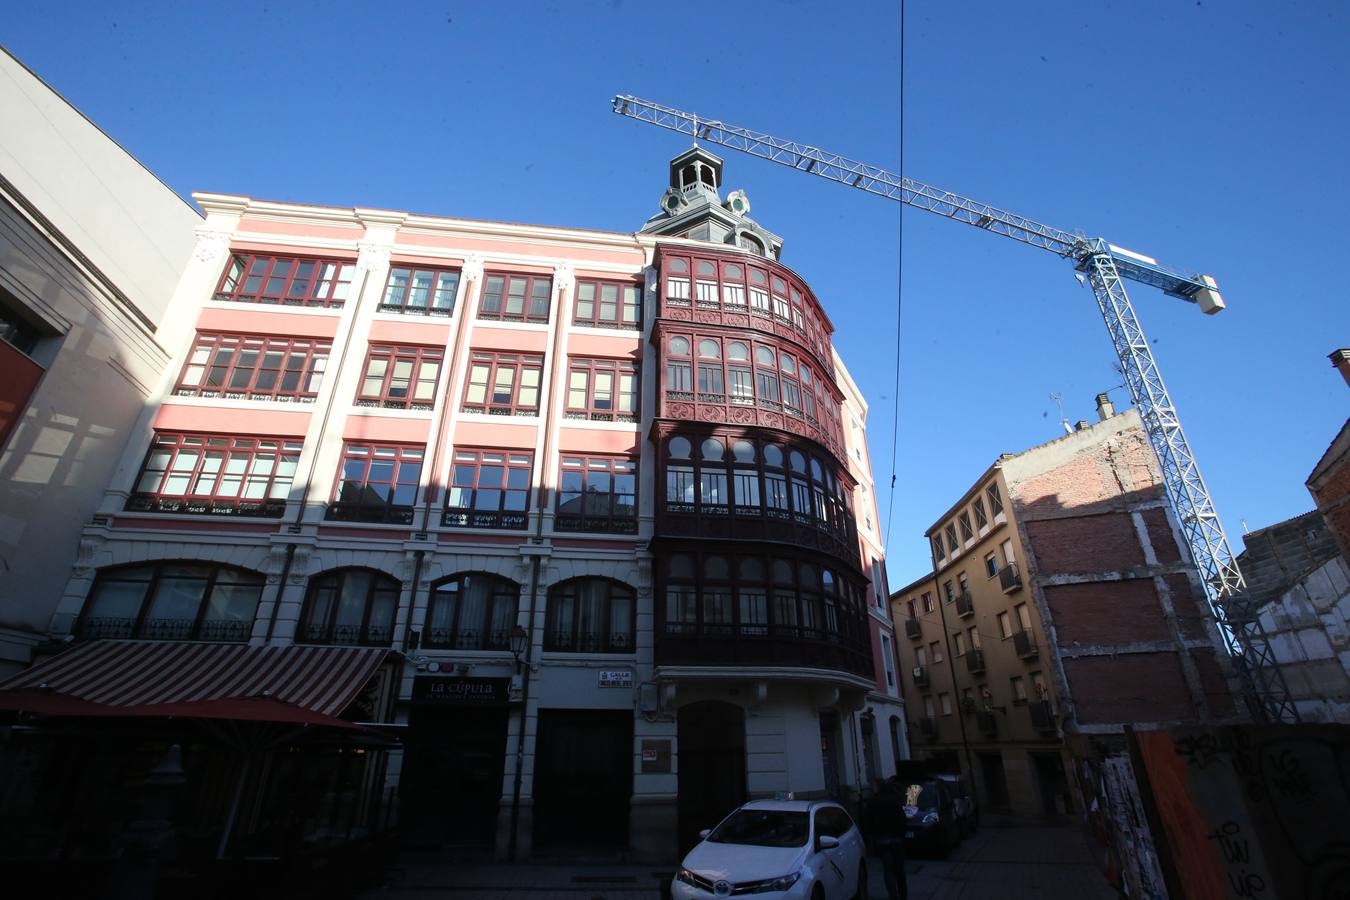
[(711, 738), (583, 778)]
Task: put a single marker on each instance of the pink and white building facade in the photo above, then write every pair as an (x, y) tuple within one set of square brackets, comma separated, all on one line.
[(605, 498)]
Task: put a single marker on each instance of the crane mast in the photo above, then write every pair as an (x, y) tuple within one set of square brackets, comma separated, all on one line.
[(1105, 267)]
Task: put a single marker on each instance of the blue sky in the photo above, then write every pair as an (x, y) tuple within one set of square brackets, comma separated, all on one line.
[(1210, 135)]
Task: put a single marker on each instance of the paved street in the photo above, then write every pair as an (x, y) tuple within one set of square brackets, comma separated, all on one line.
[(1005, 859)]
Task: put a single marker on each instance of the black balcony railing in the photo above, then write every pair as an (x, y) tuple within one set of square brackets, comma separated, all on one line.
[(207, 506), (371, 635), (965, 604), (465, 639), (475, 518), (370, 512), (928, 726), (760, 645), (975, 661), (164, 629), (913, 629), (588, 642), (1010, 578), (987, 722), (596, 524), (1042, 715), (920, 674), (1024, 644)]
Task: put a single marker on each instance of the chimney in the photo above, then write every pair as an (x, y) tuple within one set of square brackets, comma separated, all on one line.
[(1105, 409), (1081, 424), (1341, 360)]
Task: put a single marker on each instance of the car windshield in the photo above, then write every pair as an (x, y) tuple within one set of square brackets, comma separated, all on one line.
[(924, 796), (762, 827)]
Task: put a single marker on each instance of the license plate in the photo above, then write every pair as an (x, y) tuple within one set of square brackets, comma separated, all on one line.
[(909, 834)]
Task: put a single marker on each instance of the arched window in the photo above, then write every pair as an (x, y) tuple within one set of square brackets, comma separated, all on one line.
[(349, 606), (472, 611), (172, 601), (590, 615)]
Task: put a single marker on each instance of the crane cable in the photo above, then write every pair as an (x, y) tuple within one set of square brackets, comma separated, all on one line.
[(899, 296)]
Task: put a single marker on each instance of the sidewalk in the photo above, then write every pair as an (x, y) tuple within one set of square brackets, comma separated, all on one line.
[(1005, 859)]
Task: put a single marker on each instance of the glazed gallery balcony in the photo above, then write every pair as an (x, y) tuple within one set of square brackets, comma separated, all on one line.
[(760, 646)]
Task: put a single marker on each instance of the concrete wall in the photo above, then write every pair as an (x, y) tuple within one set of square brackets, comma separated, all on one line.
[(1309, 631)]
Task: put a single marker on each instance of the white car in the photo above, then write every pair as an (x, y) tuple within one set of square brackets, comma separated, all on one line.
[(804, 849)]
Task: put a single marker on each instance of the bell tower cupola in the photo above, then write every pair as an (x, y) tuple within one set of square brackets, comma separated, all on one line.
[(692, 207)]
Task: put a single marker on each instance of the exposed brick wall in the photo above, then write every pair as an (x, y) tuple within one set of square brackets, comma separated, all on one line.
[(1160, 536), (1190, 605), (1106, 612), (1138, 687), (1214, 682), (1100, 543), (1335, 488)]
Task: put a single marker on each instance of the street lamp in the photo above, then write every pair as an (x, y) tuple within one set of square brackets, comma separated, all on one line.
[(519, 638)]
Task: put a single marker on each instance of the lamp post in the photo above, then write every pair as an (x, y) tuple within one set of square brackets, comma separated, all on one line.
[(520, 641)]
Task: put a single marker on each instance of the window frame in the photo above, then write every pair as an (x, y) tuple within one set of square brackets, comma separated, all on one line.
[(313, 352), (474, 516), (327, 634), (495, 362), (142, 627), (232, 285), (607, 641), (531, 302), (621, 305), (587, 521), (419, 357), (501, 606), (390, 512), (617, 370), (270, 504), (435, 290)]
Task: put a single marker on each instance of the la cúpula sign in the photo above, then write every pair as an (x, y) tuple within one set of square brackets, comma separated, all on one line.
[(441, 691)]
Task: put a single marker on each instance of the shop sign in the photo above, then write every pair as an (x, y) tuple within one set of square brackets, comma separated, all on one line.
[(460, 691), (616, 678)]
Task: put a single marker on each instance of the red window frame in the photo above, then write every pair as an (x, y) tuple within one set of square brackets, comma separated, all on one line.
[(475, 499), (211, 474), (286, 280), (586, 402), (589, 498), (628, 296), (536, 298), (392, 499), (275, 361), (391, 390), (422, 290), (491, 401)]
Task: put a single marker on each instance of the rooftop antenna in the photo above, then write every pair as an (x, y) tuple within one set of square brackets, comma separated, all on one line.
[(1063, 420)]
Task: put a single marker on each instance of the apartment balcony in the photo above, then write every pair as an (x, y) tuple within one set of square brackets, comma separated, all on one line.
[(207, 506), (370, 512), (365, 636), (920, 674), (987, 723), (1042, 715), (1010, 578), (975, 661), (1025, 644), (163, 629), (727, 523), (913, 629), (928, 727), (762, 646), (965, 604)]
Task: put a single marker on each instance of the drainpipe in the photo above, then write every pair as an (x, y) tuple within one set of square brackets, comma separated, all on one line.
[(951, 666), (419, 556), (524, 672)]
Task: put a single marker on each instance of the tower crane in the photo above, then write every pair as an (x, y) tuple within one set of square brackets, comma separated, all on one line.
[(1105, 267)]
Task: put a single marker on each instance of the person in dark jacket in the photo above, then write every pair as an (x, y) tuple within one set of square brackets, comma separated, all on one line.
[(884, 826)]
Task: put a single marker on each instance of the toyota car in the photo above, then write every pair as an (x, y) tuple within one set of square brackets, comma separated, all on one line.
[(777, 848)]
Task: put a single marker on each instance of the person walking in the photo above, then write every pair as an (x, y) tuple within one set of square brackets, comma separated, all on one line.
[(884, 827)]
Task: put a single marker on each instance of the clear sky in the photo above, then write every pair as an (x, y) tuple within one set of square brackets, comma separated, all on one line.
[(1211, 135)]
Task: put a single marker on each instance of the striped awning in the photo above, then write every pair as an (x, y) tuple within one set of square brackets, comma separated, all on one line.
[(122, 676)]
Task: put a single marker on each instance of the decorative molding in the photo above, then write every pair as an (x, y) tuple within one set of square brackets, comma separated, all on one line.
[(472, 270), (300, 564), (211, 245), (370, 257), (564, 277), (84, 558)]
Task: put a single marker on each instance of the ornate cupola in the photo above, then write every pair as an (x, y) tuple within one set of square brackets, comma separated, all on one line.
[(692, 207)]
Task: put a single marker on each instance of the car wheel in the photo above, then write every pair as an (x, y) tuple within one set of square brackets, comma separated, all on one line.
[(861, 892)]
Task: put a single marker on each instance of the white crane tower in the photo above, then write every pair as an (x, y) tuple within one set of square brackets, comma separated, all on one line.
[(1105, 267)]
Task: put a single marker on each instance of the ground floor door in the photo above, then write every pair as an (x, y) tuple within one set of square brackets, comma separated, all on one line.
[(451, 784), (583, 778), (995, 781), (711, 738), (1053, 783)]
